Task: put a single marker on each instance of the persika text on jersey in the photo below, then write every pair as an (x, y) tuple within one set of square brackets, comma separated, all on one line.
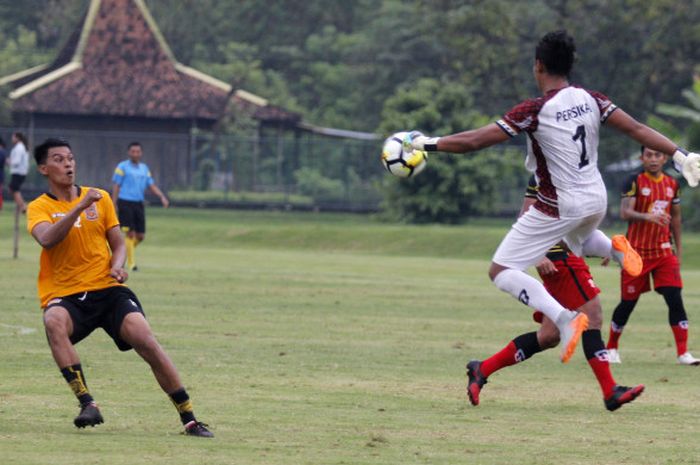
[(573, 112)]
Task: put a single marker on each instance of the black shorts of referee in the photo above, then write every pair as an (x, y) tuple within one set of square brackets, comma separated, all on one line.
[(132, 215)]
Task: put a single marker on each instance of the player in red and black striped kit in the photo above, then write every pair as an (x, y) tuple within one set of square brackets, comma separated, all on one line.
[(651, 204), (568, 279)]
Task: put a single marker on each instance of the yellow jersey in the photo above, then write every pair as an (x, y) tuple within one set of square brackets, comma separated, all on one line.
[(81, 261)]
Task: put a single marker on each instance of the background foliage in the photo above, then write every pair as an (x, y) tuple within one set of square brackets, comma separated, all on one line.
[(356, 64)]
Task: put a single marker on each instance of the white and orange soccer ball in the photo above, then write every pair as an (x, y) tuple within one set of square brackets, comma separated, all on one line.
[(400, 162)]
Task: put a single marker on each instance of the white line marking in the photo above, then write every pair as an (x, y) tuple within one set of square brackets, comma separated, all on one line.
[(21, 330)]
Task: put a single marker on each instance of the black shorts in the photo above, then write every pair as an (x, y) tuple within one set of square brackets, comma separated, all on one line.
[(132, 215), (104, 308), (16, 182)]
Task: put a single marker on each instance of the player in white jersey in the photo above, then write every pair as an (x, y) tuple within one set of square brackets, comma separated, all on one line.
[(562, 126)]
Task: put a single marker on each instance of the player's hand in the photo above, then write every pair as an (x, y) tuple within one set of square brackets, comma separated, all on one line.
[(546, 267), (164, 200), (92, 196), (119, 273), (416, 140), (660, 218), (689, 166)]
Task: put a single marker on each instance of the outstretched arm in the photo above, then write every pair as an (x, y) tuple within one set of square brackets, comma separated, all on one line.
[(642, 133), (687, 163), (467, 141)]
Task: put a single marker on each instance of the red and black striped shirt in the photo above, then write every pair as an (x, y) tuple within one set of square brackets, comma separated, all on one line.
[(651, 195)]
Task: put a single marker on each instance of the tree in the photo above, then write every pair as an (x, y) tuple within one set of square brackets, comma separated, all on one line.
[(691, 116), (453, 187), (17, 54)]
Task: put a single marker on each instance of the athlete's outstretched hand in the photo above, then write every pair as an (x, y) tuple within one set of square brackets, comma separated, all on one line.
[(416, 140), (689, 166)]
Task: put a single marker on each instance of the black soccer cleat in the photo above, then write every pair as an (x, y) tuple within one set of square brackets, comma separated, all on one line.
[(89, 416), (476, 381), (196, 428), (622, 395)]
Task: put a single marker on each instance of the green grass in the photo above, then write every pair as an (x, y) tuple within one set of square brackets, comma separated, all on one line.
[(337, 339)]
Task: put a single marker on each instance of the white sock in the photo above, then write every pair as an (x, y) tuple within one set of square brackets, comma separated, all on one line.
[(597, 245), (531, 292)]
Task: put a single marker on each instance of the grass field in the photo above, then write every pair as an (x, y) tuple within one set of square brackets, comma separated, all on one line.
[(329, 339)]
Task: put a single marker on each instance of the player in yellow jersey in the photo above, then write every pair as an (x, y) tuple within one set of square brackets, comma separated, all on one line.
[(81, 283)]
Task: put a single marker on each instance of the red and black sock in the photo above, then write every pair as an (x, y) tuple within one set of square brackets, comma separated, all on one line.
[(677, 318), (597, 357), (619, 319), (519, 349)]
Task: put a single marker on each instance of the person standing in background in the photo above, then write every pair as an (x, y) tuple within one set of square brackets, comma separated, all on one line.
[(19, 167), (130, 180), (651, 204)]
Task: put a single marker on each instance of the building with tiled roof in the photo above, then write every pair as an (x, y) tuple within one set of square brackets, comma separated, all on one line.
[(116, 80)]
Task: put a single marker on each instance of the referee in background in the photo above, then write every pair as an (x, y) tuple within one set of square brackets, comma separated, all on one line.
[(130, 181)]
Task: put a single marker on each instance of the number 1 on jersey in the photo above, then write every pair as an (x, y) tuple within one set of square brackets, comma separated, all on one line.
[(581, 134)]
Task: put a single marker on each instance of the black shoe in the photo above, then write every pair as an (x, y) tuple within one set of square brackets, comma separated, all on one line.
[(135, 268), (622, 395), (196, 428), (476, 381), (89, 416)]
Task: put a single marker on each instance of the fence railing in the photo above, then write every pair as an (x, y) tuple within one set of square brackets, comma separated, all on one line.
[(302, 171)]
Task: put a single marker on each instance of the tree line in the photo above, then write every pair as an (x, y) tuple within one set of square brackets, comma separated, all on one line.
[(385, 65)]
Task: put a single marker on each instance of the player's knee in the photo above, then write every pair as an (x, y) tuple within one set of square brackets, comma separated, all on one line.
[(495, 270), (145, 344), (547, 335), (595, 320), (669, 292), (56, 324), (594, 312), (548, 339)]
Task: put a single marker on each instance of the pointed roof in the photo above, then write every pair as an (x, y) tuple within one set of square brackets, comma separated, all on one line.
[(117, 63)]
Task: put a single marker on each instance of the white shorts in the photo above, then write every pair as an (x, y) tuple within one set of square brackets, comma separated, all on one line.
[(534, 233)]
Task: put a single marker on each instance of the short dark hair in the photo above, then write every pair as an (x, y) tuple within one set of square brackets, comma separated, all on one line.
[(41, 152), (135, 143), (556, 50), (641, 152)]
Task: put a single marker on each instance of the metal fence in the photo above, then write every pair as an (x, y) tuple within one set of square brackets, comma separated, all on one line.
[(299, 171), (303, 171)]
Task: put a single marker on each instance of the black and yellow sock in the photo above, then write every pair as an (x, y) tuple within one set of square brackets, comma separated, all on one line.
[(76, 380), (183, 405)]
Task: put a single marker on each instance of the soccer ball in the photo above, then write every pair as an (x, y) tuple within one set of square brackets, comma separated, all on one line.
[(398, 161)]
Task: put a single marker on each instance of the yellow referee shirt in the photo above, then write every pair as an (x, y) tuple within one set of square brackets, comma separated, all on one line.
[(81, 261)]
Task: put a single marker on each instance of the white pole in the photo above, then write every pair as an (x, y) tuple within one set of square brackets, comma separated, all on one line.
[(15, 251)]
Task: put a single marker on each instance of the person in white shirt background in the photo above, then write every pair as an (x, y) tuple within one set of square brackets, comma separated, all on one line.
[(19, 167)]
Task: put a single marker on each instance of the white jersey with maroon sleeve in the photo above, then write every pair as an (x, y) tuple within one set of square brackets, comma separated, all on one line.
[(563, 131)]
